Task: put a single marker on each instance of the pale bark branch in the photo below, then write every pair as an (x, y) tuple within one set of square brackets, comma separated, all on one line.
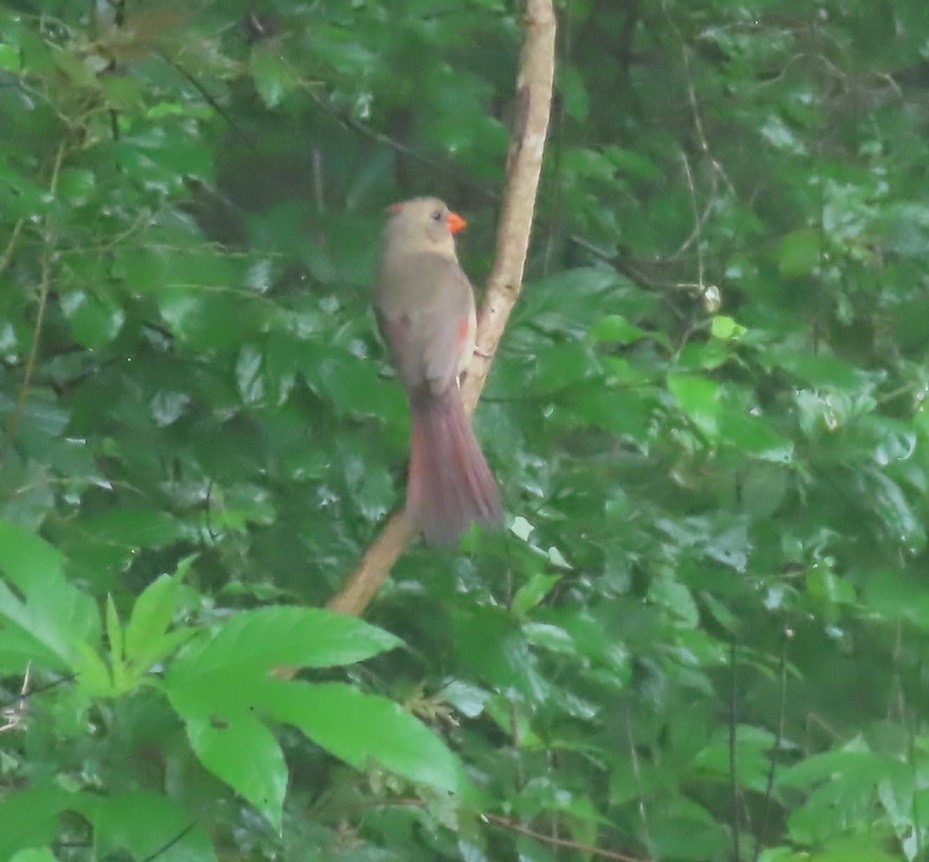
[(533, 101)]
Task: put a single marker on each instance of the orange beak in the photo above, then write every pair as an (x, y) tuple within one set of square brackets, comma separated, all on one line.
[(455, 223)]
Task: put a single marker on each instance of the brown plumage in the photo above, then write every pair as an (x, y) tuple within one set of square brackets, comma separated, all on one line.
[(425, 309)]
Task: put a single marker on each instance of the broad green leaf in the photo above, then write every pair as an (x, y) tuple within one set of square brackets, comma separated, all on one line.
[(826, 586), (136, 528), (249, 375), (753, 435), (725, 328), (29, 818), (533, 592), (9, 57), (251, 643), (365, 730), (26, 559), (699, 398), (564, 365), (35, 854), (615, 327), (901, 522), (349, 382), (146, 824), (494, 649), (47, 610), (239, 749), (799, 253), (95, 320), (686, 830), (569, 303), (272, 75)]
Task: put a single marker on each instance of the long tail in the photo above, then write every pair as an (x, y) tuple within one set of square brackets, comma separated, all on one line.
[(450, 485)]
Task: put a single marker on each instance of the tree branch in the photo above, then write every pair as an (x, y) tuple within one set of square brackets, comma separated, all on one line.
[(524, 166), (556, 841)]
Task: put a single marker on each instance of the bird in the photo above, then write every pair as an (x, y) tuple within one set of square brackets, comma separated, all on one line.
[(424, 305)]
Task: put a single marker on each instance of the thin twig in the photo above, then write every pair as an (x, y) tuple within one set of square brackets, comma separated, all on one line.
[(637, 772), (778, 741), (555, 841), (700, 219), (28, 693), (15, 716), (169, 844), (349, 122), (7, 255), (733, 756), (207, 97), (44, 288), (534, 95)]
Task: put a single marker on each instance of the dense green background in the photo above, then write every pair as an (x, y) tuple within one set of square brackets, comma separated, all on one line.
[(704, 636)]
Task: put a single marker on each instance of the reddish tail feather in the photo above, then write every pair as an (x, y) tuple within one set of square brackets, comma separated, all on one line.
[(450, 485)]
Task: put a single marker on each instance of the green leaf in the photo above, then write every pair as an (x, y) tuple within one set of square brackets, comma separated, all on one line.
[(35, 854), (249, 377), (493, 647), (349, 382), (151, 616), (9, 57), (29, 818), (571, 87), (146, 825), (364, 730), (533, 592), (726, 328), (76, 185), (253, 642), (615, 327), (699, 398), (563, 365), (272, 75), (95, 320), (48, 618), (25, 558), (133, 528), (825, 585), (900, 522), (569, 303), (754, 436), (800, 253), (237, 748)]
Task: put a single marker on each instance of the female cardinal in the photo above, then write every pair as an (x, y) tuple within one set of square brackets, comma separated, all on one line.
[(425, 310)]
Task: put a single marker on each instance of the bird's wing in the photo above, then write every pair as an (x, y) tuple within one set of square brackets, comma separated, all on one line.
[(429, 324)]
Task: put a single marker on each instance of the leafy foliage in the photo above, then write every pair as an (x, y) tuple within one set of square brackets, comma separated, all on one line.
[(703, 635)]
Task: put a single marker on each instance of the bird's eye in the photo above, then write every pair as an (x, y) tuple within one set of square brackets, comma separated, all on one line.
[(437, 215)]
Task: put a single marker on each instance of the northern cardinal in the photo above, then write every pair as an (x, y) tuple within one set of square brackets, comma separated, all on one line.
[(425, 311)]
